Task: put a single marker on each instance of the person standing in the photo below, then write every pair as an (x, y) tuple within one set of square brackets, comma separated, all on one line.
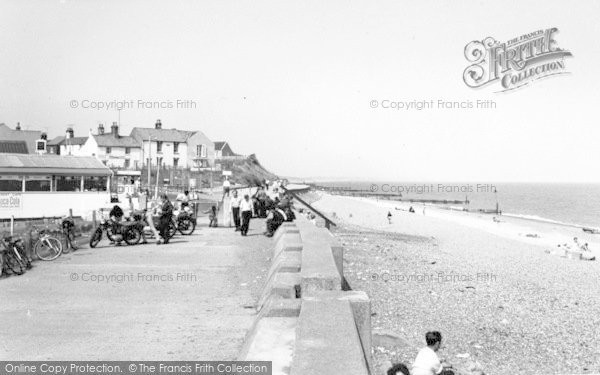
[(235, 209), (226, 187), (389, 217), (166, 213), (246, 212)]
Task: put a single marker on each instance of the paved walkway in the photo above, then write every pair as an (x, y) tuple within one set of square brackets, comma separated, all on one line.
[(192, 299)]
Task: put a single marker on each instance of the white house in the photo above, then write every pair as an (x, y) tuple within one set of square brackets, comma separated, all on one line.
[(174, 148), (67, 144), (113, 149)]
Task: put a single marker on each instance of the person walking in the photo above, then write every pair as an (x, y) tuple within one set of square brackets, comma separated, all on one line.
[(246, 208), (166, 213), (235, 209)]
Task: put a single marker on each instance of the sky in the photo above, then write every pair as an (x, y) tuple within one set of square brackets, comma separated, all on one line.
[(294, 82)]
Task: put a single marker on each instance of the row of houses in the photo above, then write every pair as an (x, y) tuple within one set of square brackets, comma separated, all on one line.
[(143, 146)]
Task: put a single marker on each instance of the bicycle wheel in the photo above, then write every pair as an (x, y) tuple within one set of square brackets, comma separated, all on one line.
[(13, 263), (72, 240), (96, 238), (65, 243), (186, 226), (21, 249), (48, 248)]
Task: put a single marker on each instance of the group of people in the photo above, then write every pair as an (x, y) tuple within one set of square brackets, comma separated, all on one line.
[(427, 361), (577, 244), (268, 201), (148, 210)]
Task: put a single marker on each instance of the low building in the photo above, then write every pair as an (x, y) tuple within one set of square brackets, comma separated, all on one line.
[(113, 149), (18, 135), (174, 148), (33, 186), (224, 151)]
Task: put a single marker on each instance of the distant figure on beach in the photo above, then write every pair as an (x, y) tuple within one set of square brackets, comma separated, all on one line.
[(427, 361), (495, 219), (423, 210), (389, 217), (411, 210), (398, 369), (585, 247)]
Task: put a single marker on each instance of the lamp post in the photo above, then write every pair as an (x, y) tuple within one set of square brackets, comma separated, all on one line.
[(149, 160)]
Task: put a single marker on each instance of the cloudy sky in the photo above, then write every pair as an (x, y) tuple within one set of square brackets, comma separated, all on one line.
[(293, 82)]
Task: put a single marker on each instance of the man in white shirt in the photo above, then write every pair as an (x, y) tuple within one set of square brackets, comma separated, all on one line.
[(246, 208), (427, 361), (226, 186), (235, 209)]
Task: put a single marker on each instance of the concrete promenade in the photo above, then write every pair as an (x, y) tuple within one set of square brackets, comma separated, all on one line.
[(191, 299)]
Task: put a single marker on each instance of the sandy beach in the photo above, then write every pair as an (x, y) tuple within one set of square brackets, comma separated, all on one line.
[(496, 291)]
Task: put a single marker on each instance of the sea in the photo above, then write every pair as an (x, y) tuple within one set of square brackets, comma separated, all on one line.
[(565, 204)]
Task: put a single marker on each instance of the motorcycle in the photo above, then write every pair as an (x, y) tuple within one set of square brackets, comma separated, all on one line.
[(140, 219), (185, 221), (128, 231)]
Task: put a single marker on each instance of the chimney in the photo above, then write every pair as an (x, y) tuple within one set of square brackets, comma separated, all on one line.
[(44, 136), (18, 126), (70, 133), (100, 129), (158, 125), (114, 129)]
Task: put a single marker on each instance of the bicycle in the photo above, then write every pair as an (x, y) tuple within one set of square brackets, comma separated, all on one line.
[(13, 255), (47, 247), (68, 232)]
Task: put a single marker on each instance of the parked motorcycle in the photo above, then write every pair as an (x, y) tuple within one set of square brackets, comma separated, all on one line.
[(129, 231), (185, 221), (140, 219)]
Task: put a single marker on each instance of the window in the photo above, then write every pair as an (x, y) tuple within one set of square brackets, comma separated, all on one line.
[(127, 150), (201, 151), (175, 147), (159, 146), (68, 183), (37, 183), (108, 150), (126, 163), (176, 162), (94, 183), (11, 183)]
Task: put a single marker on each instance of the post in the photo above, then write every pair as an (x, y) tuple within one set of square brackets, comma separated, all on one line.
[(71, 213), (94, 218), (149, 160), (12, 224), (157, 177)]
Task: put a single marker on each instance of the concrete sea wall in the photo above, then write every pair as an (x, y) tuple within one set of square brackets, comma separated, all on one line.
[(306, 322)]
